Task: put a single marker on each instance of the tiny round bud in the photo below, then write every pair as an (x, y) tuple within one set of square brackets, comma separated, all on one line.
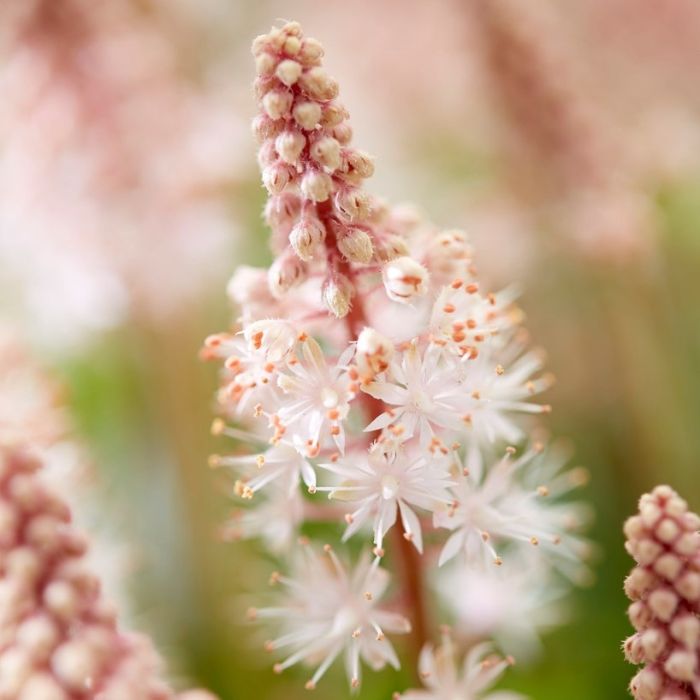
[(359, 164), (288, 72), (265, 64), (311, 52), (75, 663), (306, 236), (307, 114), (326, 152), (663, 603), (353, 204), (281, 211), (286, 272), (289, 145), (647, 684), (404, 279), (390, 247), (277, 103), (682, 665), (333, 115), (275, 178), (316, 186), (356, 245), (337, 295), (265, 128), (317, 84), (42, 686)]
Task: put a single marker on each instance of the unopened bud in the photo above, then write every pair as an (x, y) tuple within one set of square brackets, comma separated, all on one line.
[(337, 295), (265, 64), (282, 210), (305, 236), (374, 352), (356, 245), (316, 186), (390, 247), (285, 272), (289, 145), (277, 104), (343, 132), (359, 165), (307, 114), (326, 152), (353, 204), (288, 72), (265, 128), (274, 337), (404, 279), (275, 178), (334, 114), (311, 52), (316, 83)]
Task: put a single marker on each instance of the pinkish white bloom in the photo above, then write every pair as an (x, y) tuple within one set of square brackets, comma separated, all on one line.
[(326, 611), (404, 279), (390, 483), (443, 679), (316, 396), (515, 502), (512, 604)]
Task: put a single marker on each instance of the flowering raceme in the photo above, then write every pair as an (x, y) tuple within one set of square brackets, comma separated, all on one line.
[(368, 365)]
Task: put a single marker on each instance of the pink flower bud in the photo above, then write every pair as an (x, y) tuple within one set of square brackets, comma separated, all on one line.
[(275, 178), (286, 272), (404, 279), (318, 85), (353, 204), (306, 236), (288, 71), (307, 114), (277, 103), (356, 245), (337, 295), (326, 152), (289, 145), (316, 186)]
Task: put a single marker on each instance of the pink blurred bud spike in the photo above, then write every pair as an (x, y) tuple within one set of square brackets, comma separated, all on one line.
[(59, 638), (664, 589)]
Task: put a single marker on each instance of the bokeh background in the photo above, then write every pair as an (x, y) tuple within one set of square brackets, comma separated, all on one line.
[(563, 136)]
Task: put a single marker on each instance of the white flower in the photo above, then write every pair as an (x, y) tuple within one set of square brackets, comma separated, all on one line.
[(273, 337), (275, 519), (327, 610), (498, 385), (515, 502), (462, 318), (443, 681), (423, 390), (317, 396), (511, 604), (247, 378), (281, 462), (387, 483)]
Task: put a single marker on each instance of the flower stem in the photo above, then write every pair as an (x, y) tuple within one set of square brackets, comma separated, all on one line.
[(408, 561)]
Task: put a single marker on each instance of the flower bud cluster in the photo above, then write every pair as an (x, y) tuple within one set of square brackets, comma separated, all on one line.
[(664, 587), (59, 638), (318, 211)]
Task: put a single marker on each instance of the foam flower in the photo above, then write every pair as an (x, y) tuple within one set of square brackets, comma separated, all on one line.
[(327, 610)]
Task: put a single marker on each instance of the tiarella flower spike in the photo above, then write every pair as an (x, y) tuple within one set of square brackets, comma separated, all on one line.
[(388, 410), (664, 588)]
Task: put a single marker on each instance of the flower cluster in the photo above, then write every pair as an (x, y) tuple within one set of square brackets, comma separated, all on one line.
[(59, 638), (665, 591), (368, 364)]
